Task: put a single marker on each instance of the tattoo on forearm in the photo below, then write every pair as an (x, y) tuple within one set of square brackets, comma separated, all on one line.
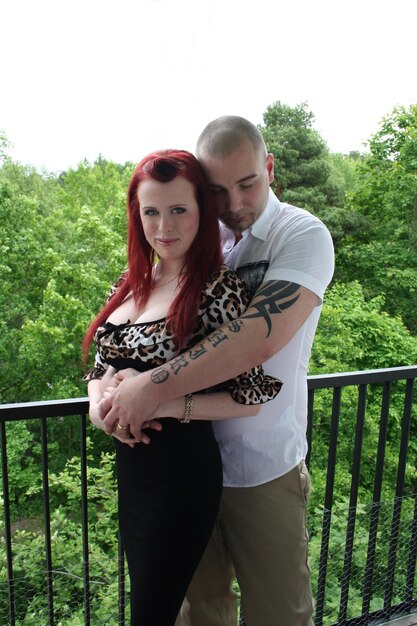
[(274, 297), (271, 298), (178, 363), (235, 325), (217, 337), (159, 375), (196, 351)]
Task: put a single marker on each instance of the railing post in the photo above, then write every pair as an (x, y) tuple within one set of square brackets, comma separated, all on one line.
[(310, 418), (399, 491), (7, 524), (47, 522), (376, 498), (328, 504), (353, 501), (84, 508)]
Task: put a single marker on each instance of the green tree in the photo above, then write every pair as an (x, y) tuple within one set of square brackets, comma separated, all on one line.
[(340, 219), (356, 333), (63, 244), (302, 166), (382, 255), (28, 246), (390, 173)]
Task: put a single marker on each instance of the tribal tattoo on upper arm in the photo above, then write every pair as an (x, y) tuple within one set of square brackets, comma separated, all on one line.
[(271, 298)]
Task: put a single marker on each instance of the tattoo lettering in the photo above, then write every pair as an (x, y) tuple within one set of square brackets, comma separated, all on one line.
[(159, 375), (273, 297), (234, 326), (216, 337), (177, 363), (196, 351)]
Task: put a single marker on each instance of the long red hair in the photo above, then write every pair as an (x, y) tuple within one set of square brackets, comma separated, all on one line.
[(202, 259)]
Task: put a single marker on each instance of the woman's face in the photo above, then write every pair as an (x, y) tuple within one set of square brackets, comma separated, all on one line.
[(170, 216)]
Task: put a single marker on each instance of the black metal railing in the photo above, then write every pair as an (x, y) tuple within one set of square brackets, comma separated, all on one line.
[(362, 515), (389, 396)]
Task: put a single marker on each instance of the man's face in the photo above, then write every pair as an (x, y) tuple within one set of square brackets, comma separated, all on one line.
[(240, 184)]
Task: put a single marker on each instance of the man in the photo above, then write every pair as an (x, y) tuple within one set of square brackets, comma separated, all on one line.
[(286, 256)]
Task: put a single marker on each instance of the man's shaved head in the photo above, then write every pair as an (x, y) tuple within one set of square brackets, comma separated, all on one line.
[(225, 134)]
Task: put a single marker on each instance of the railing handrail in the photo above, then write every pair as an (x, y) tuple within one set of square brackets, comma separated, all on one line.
[(73, 406), (44, 408), (319, 381)]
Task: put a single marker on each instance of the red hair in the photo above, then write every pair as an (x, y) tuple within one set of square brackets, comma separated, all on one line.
[(202, 258)]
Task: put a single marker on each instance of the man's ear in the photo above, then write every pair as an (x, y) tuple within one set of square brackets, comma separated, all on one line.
[(270, 167)]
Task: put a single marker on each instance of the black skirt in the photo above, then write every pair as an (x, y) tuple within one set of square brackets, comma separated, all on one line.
[(169, 494)]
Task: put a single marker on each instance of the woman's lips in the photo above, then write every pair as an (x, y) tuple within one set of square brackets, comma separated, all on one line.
[(166, 242)]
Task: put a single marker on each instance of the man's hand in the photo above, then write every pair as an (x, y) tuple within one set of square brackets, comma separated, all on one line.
[(127, 406), (108, 399), (124, 435)]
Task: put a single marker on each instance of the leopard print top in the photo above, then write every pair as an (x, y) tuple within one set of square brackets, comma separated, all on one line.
[(147, 345)]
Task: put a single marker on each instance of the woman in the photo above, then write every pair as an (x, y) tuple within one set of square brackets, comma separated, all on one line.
[(173, 294)]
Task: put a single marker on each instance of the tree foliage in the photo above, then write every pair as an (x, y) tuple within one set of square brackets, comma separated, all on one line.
[(62, 244), (382, 255), (302, 165)]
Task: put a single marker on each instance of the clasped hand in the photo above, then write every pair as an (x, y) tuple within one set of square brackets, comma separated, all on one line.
[(118, 413)]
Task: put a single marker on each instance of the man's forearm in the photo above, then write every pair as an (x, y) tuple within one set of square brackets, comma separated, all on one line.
[(217, 358), (272, 319)]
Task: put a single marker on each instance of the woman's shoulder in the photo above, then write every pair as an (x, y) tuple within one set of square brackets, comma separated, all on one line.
[(225, 284), (226, 275)]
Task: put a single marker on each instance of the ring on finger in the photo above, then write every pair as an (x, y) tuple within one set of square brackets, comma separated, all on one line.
[(121, 427)]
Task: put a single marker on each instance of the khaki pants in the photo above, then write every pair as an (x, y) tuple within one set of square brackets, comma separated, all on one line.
[(261, 537)]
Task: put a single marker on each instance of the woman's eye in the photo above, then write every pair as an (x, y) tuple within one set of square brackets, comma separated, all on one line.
[(178, 210), (150, 212), (246, 186)]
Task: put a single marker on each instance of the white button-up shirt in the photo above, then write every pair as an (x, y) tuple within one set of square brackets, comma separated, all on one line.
[(295, 246)]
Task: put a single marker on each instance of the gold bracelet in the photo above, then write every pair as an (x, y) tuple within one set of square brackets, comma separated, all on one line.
[(188, 408)]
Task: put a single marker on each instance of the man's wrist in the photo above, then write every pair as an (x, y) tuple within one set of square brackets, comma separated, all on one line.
[(157, 386)]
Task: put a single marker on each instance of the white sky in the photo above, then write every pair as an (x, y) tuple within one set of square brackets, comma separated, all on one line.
[(124, 77)]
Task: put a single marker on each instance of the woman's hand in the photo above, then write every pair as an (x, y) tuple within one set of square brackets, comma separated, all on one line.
[(123, 433), (94, 413)]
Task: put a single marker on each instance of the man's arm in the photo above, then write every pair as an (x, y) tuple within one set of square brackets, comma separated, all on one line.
[(276, 313)]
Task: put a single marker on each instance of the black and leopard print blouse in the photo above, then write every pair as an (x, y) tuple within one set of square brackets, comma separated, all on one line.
[(146, 345)]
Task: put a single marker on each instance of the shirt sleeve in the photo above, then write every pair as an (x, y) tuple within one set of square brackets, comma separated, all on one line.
[(304, 256), (100, 366), (98, 371), (226, 299)]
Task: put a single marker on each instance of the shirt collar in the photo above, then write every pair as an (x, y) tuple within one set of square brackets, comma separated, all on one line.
[(259, 229)]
